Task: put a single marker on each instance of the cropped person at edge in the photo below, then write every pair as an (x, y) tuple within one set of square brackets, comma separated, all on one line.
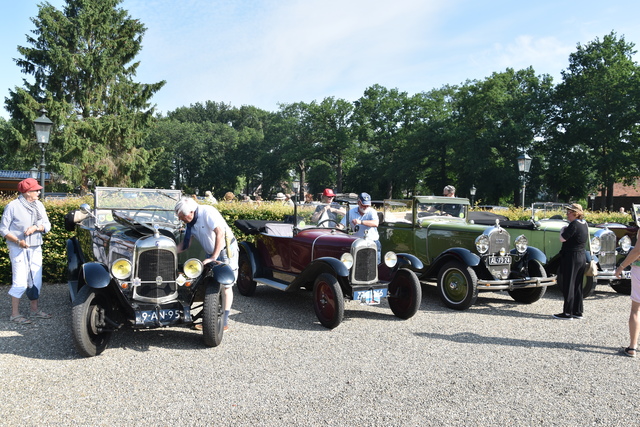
[(633, 260), (207, 225)]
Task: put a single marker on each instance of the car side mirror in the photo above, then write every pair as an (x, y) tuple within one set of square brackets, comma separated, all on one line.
[(85, 208)]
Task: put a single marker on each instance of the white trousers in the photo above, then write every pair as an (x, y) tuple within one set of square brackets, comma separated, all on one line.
[(26, 269)]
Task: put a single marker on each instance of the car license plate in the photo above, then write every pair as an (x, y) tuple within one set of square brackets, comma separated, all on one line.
[(499, 260), (151, 317), (371, 296)]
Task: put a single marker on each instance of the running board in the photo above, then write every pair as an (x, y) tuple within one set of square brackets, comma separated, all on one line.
[(272, 283)]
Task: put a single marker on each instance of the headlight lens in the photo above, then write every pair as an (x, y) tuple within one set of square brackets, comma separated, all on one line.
[(390, 259), (521, 244), (347, 260), (192, 268), (625, 243), (595, 244), (482, 243), (121, 269)]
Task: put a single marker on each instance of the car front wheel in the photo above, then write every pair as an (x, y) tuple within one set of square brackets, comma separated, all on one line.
[(404, 294), (328, 301), (458, 285), (213, 316), (622, 286), (90, 309), (531, 295)]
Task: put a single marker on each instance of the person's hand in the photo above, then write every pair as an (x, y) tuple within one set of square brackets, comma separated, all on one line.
[(208, 260), (618, 272), (23, 244), (31, 230)]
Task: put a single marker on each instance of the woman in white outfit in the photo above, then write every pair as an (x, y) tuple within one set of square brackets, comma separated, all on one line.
[(24, 221)]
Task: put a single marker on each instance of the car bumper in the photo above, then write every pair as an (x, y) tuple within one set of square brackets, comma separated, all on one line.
[(607, 276), (511, 284)]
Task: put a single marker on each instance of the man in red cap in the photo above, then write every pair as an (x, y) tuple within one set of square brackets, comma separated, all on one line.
[(326, 214), (23, 223)]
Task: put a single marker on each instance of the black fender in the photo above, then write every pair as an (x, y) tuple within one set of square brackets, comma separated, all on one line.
[(409, 261), (75, 260), (458, 254), (222, 274), (95, 275), (214, 275), (531, 254)]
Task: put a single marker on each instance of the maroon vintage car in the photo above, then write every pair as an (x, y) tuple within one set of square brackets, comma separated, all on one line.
[(318, 254)]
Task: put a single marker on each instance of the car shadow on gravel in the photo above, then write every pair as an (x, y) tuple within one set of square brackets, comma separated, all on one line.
[(468, 338), (294, 310)]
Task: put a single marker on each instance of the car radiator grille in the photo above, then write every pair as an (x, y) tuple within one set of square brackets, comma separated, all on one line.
[(366, 265), (156, 263), (607, 254)]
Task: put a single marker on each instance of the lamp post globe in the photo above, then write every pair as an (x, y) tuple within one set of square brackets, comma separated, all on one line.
[(42, 127), (472, 192)]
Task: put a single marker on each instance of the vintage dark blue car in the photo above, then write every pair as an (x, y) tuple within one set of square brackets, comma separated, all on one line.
[(124, 270)]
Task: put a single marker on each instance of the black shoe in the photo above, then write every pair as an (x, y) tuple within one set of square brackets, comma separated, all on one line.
[(578, 316), (563, 316)]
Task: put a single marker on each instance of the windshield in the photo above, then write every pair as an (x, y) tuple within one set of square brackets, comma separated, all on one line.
[(139, 205), (323, 215), (455, 210), (549, 211)]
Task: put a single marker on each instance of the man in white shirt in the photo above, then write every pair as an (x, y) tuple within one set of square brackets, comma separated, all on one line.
[(205, 223)]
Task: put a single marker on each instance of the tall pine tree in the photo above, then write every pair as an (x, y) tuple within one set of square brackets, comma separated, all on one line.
[(81, 61)]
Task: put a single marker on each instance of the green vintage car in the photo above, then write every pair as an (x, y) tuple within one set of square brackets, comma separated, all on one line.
[(543, 232), (462, 257)]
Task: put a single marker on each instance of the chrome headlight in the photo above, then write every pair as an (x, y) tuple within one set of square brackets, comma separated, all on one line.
[(347, 260), (121, 269), (482, 243), (193, 268), (625, 243), (390, 259), (595, 244), (521, 243)]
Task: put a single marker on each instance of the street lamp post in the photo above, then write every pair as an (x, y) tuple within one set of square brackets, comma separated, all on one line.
[(42, 126), (472, 192), (592, 197), (524, 164)]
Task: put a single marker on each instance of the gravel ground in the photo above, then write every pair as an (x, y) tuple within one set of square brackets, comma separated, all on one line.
[(497, 363)]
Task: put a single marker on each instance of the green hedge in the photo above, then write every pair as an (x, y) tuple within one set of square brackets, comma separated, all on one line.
[(54, 248)]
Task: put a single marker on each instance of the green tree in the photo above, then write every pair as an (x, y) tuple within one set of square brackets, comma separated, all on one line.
[(597, 115), (496, 120), (81, 60), (382, 121), (331, 122)]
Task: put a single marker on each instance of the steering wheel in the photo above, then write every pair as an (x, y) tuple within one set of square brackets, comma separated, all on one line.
[(327, 220)]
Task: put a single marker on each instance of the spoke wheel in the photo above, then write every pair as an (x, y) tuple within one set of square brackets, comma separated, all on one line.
[(213, 316), (246, 284), (90, 308), (328, 300), (457, 285), (404, 294)]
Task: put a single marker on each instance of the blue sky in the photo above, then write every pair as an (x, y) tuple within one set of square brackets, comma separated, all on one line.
[(265, 52)]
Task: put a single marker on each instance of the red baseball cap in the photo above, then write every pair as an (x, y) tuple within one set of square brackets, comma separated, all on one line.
[(28, 184), (328, 193)]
